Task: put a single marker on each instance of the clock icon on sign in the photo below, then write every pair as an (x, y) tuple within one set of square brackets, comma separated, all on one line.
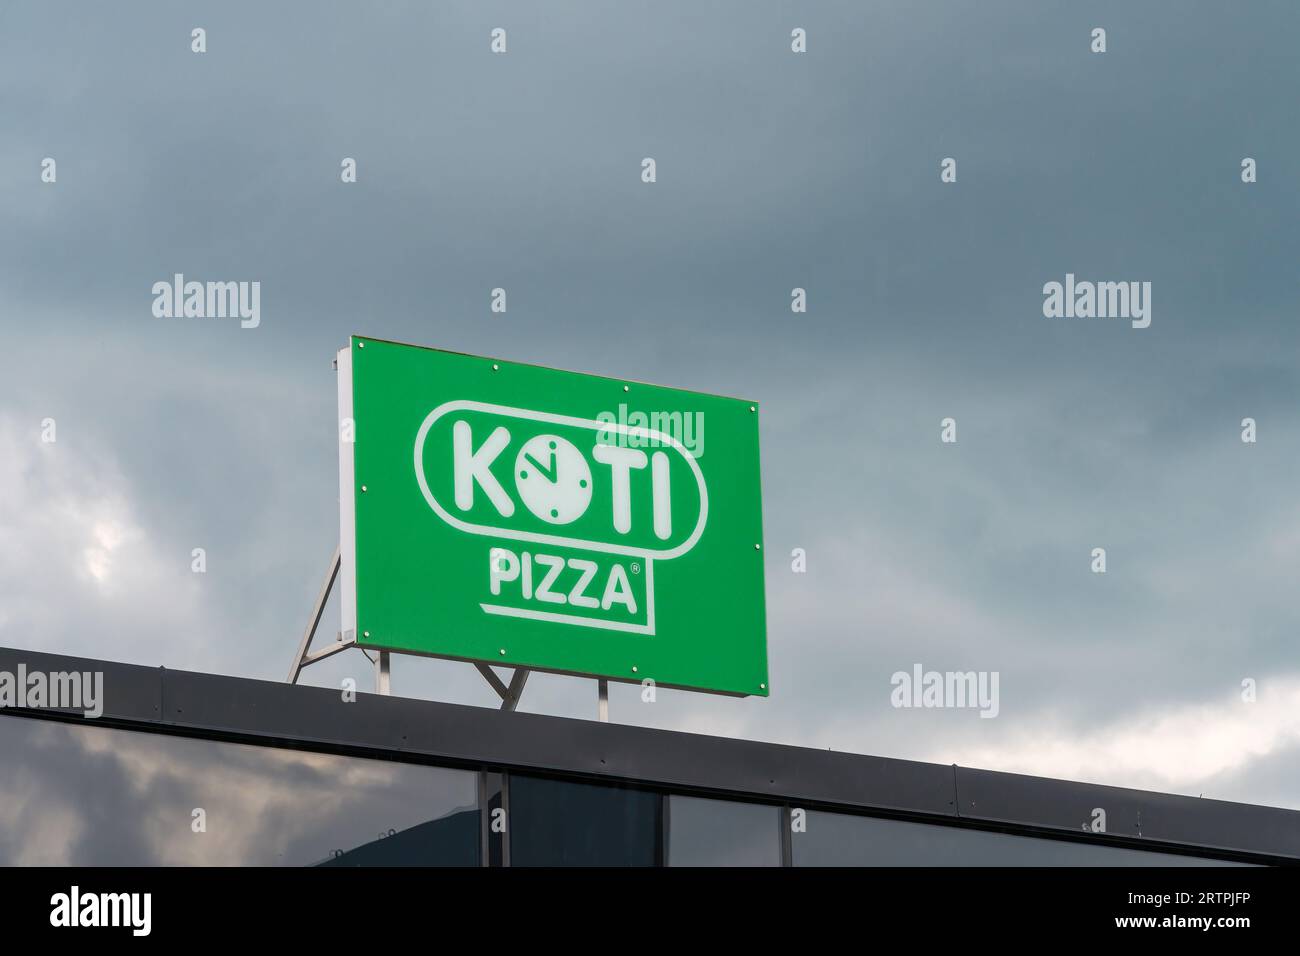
[(553, 478)]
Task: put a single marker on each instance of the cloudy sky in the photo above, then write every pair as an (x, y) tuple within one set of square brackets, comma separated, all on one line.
[(775, 170)]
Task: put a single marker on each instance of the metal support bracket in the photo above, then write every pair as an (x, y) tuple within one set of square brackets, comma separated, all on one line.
[(304, 656), (307, 656), (509, 694)]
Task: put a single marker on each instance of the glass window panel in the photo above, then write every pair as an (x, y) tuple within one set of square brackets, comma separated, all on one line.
[(560, 823), (494, 801), (722, 833), (837, 839), (82, 795)]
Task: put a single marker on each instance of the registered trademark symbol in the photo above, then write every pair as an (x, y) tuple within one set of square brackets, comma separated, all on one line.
[(636, 568)]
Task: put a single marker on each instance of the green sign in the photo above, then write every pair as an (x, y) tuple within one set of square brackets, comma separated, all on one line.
[(518, 515)]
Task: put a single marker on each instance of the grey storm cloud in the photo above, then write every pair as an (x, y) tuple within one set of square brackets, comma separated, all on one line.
[(775, 171)]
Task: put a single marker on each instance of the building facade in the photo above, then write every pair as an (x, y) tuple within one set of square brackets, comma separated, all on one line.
[(195, 769)]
